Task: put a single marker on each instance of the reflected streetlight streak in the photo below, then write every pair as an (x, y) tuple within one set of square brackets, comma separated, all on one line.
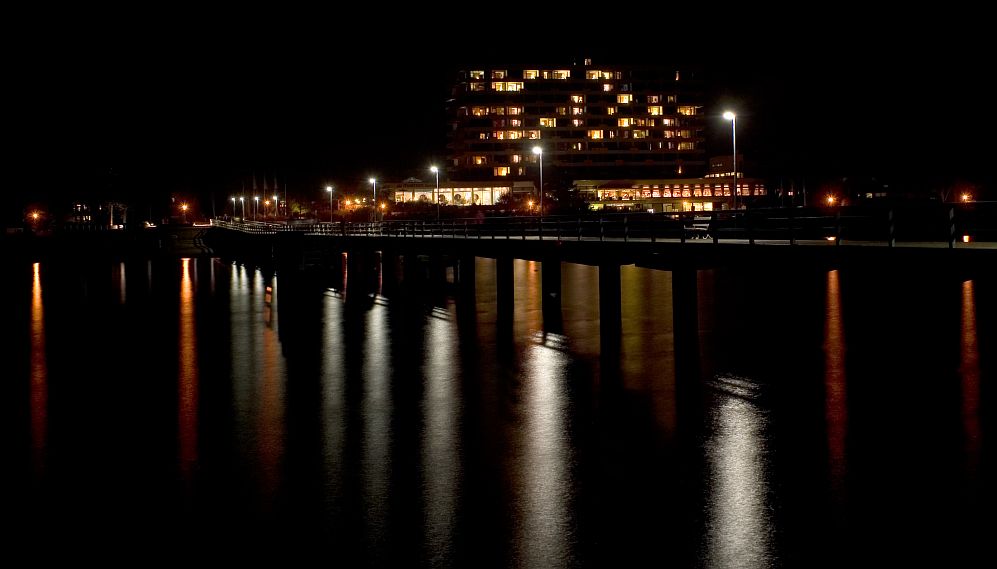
[(187, 366), (376, 409), (334, 411), (543, 485), (38, 391), (440, 439), (738, 513), (835, 396), (270, 425), (969, 369)]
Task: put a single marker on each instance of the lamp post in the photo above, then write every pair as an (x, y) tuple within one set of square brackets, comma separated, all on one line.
[(733, 133), (329, 189), (436, 171), (242, 200), (540, 154), (183, 209), (373, 206), (233, 207), (256, 206)]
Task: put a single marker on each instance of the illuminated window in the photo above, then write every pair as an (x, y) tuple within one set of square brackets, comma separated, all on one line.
[(676, 75), (520, 171), (687, 110), (667, 122), (607, 87), (515, 158), (513, 134), (498, 111), (671, 98), (514, 86), (653, 99), (562, 111), (498, 74), (669, 134), (578, 98), (640, 133), (477, 75), (479, 160), (595, 134), (530, 74), (685, 134), (576, 146), (610, 110), (515, 110), (687, 146), (612, 133), (623, 121), (483, 135), (498, 86), (624, 99), (608, 75), (577, 122), (593, 74), (479, 111), (561, 73), (515, 122), (477, 86), (654, 110), (548, 122), (533, 134), (500, 171), (499, 134), (577, 110)]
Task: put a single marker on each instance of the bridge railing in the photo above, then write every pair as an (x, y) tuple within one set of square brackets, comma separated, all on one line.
[(948, 223)]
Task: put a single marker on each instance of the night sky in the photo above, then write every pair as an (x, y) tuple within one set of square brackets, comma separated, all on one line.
[(144, 106)]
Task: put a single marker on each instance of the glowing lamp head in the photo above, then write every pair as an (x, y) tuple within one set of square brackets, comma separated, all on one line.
[(183, 207), (327, 188), (34, 215), (275, 198), (729, 115), (434, 169), (830, 200), (384, 206), (371, 180), (242, 199), (257, 198), (965, 197), (538, 150)]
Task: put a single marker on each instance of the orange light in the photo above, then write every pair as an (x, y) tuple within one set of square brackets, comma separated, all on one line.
[(384, 206), (183, 207), (966, 197), (266, 202), (830, 200), (34, 215), (965, 238), (529, 203)]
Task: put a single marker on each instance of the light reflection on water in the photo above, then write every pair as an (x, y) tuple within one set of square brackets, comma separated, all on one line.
[(739, 523), (442, 432)]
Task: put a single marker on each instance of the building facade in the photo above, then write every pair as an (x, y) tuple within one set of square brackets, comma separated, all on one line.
[(458, 192), (592, 122), (676, 194)]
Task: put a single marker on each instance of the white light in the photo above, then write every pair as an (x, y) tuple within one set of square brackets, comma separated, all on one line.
[(371, 180), (434, 169), (327, 188), (729, 115), (537, 150)]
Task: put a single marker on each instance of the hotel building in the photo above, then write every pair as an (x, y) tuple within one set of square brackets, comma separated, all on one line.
[(592, 121)]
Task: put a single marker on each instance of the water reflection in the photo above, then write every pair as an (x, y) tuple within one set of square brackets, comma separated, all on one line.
[(969, 369), (187, 367), (836, 404), (739, 524), (258, 374), (39, 374), (440, 460), (376, 420), (544, 486)]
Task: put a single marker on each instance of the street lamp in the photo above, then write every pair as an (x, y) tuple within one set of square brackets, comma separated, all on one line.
[(436, 171), (373, 184), (329, 189), (276, 206), (256, 206), (733, 133), (540, 153), (966, 197), (233, 207), (183, 208), (242, 200)]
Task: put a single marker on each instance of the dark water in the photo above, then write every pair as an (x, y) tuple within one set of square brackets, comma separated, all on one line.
[(200, 409)]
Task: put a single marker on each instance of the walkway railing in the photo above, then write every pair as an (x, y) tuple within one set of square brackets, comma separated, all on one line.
[(946, 225)]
